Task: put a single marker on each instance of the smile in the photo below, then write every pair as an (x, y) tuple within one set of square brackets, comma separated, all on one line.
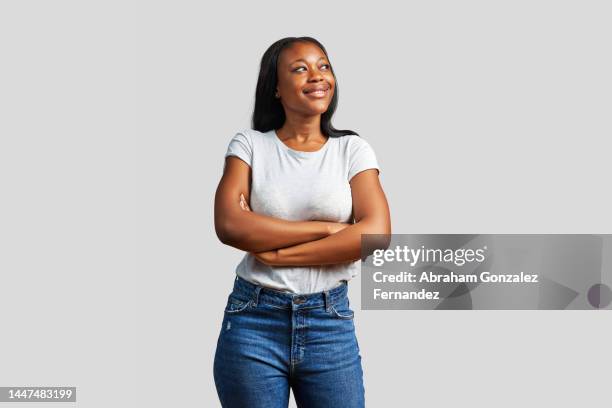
[(317, 94)]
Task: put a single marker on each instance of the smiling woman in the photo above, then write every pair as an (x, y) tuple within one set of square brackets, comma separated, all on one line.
[(295, 81), (296, 195)]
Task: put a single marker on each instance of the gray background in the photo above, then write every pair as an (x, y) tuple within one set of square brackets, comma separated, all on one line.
[(486, 117)]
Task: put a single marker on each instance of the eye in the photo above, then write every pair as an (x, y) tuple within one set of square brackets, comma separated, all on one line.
[(299, 68)]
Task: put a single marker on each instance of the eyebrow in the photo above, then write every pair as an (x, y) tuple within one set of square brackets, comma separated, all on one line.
[(301, 59)]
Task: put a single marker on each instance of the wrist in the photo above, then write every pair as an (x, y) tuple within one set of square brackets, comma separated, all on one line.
[(327, 229), (282, 256)]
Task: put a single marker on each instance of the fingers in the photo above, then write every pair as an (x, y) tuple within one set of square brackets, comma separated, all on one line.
[(243, 203)]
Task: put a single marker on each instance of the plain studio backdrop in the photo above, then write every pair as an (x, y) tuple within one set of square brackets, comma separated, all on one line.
[(486, 117)]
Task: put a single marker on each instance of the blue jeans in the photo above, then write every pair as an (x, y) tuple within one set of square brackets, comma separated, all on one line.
[(271, 341)]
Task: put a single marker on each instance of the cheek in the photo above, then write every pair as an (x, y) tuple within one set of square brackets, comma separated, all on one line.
[(295, 96), (292, 90), (286, 85)]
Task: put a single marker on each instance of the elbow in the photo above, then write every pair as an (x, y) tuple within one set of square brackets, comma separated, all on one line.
[(223, 229), (230, 232), (378, 232)]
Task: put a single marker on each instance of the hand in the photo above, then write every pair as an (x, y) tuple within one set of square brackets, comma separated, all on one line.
[(267, 257), (243, 203), (336, 227)]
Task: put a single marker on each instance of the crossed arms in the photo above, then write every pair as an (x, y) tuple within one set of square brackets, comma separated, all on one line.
[(279, 242)]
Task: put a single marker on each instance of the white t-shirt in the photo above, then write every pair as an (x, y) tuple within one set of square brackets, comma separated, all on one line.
[(301, 186)]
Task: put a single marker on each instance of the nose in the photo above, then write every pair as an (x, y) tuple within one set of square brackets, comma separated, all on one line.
[(315, 75)]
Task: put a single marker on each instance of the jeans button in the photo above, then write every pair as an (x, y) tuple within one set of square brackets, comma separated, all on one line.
[(299, 300)]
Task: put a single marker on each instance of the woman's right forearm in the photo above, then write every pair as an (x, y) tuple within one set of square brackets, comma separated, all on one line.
[(253, 232)]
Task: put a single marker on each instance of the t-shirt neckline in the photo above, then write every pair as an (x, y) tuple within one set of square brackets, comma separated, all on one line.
[(299, 152)]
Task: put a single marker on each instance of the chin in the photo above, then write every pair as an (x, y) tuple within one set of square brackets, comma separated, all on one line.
[(311, 109), (315, 112), (318, 109)]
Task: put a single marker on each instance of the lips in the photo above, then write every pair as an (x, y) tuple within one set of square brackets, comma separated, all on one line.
[(317, 89)]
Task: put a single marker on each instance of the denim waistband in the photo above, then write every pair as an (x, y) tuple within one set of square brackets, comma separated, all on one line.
[(287, 300)]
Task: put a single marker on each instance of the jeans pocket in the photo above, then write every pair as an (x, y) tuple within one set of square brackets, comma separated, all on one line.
[(342, 310), (235, 305)]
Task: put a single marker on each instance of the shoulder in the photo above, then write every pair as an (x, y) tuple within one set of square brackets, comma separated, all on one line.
[(353, 143), (251, 134), (250, 137)]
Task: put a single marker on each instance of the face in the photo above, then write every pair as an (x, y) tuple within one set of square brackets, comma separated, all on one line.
[(305, 81)]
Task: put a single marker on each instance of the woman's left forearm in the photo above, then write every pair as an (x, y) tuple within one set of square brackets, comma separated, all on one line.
[(343, 246)]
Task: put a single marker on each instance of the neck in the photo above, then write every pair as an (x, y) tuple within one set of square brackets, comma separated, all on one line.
[(303, 129)]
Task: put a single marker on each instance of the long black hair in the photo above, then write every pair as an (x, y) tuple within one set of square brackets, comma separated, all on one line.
[(269, 113)]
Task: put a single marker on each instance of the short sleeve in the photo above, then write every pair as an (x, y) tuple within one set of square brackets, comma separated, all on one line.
[(362, 157), (241, 146)]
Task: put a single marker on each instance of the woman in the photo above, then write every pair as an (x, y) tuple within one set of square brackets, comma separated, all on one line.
[(296, 195)]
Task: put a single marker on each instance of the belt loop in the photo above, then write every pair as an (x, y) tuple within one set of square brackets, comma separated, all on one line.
[(256, 295), (327, 301)]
